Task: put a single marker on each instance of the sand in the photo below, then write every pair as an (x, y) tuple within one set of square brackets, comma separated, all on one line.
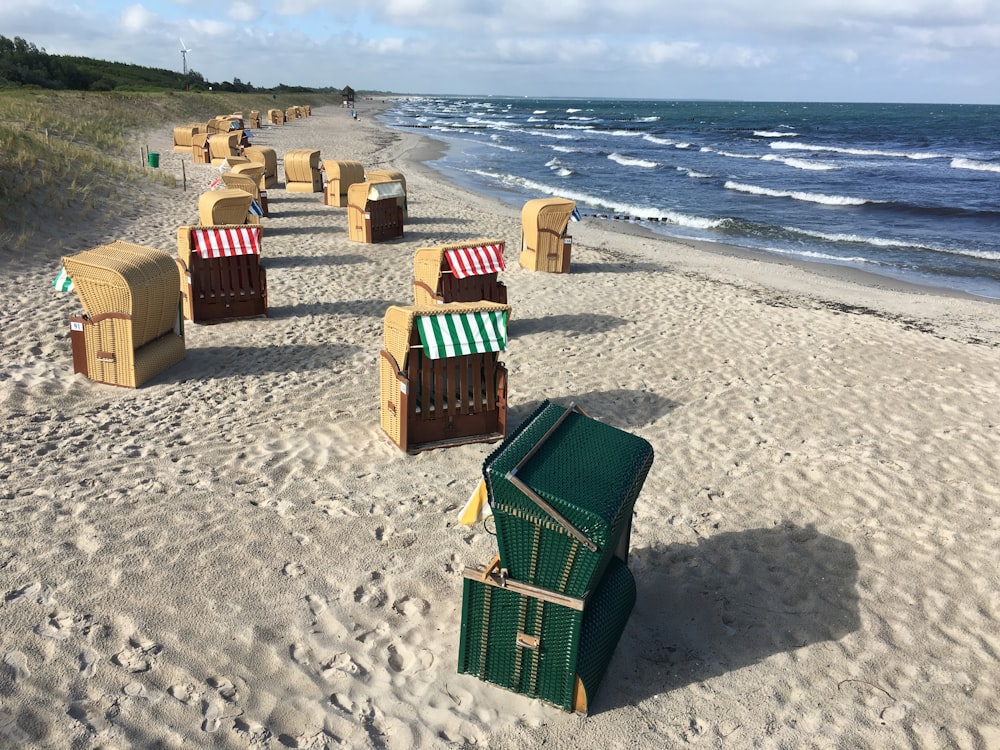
[(235, 555)]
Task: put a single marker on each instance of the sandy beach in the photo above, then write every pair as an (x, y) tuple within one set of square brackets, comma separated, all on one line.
[(235, 555)]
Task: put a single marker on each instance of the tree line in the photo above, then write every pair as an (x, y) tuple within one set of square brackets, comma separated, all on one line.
[(22, 64)]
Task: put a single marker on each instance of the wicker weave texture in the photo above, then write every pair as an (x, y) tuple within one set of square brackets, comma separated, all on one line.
[(228, 206), (543, 227), (589, 472), (130, 279), (341, 175), (571, 643), (430, 266), (302, 172), (266, 157)]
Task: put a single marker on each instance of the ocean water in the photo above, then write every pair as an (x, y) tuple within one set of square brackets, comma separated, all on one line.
[(908, 191)]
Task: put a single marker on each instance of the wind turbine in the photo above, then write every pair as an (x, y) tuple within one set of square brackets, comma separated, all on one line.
[(184, 58)]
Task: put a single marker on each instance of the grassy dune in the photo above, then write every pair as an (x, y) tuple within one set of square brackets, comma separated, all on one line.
[(71, 155)]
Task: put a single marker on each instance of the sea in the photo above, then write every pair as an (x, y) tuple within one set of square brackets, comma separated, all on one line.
[(907, 191)]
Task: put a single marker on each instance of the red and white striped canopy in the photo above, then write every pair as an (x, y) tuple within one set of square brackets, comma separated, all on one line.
[(223, 242), (475, 261)]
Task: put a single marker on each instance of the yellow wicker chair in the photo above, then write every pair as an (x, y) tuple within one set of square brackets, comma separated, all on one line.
[(460, 272), (130, 330), (302, 171), (227, 206), (246, 183), (254, 119), (390, 175), (275, 117), (545, 245), (266, 157), (221, 273), (433, 401), (223, 146), (341, 175), (373, 212), (184, 136)]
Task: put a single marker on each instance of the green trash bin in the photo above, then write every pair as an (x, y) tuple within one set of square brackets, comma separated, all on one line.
[(154, 159)]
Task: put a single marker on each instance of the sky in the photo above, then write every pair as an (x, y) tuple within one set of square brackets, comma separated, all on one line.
[(934, 51)]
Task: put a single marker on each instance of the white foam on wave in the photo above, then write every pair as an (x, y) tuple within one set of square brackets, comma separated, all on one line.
[(890, 243), (623, 209), (827, 200), (563, 126), (729, 154), (692, 173), (774, 134), (918, 155), (979, 166), (659, 141), (551, 134), (571, 110), (566, 149), (816, 166), (626, 161)]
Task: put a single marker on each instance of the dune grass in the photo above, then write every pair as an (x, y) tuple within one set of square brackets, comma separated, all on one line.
[(70, 155)]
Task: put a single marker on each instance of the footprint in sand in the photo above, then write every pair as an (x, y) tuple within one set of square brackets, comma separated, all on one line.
[(406, 606), (140, 656), (88, 714), (186, 694), (293, 569), (18, 664), (225, 688), (213, 716), (9, 730), (88, 663)]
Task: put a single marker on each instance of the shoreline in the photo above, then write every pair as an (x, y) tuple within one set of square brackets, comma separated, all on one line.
[(236, 555), (837, 285)]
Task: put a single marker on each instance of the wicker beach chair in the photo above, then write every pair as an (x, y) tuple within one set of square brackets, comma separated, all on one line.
[(545, 245), (373, 211), (390, 175), (184, 136), (341, 175), (223, 146), (248, 184), (221, 273), (266, 157), (131, 329), (539, 643), (302, 171), (439, 389), (226, 206), (562, 488), (275, 117), (462, 272), (292, 113), (254, 119)]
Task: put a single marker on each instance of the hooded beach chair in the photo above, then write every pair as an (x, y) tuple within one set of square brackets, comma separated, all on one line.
[(221, 273), (390, 175), (226, 206), (131, 328), (545, 617), (266, 157), (302, 171), (545, 245), (184, 136), (441, 382), (222, 146), (461, 272), (247, 183), (275, 117), (373, 211), (341, 175)]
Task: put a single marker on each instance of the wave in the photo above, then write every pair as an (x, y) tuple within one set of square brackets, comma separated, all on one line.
[(979, 166), (567, 149), (894, 243), (559, 168), (659, 141), (540, 112), (626, 161), (692, 173), (563, 126), (641, 213), (571, 110), (828, 200), (789, 145), (773, 134), (730, 154), (817, 166)]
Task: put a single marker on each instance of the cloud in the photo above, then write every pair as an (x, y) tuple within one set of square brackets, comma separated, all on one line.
[(136, 19)]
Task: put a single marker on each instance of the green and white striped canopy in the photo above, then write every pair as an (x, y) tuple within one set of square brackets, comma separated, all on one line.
[(451, 334)]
